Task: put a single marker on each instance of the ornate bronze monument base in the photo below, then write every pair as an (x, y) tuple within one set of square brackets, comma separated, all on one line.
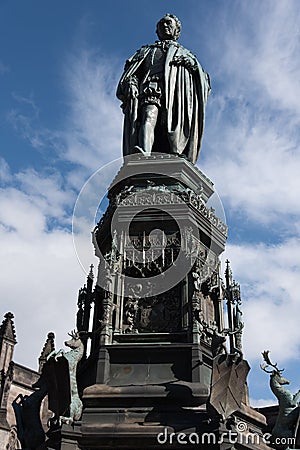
[(159, 374)]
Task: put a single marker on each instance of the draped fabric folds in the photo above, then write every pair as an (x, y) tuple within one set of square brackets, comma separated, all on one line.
[(186, 88)]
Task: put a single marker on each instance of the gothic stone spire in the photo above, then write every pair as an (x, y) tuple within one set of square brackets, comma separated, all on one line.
[(47, 349), (7, 341)]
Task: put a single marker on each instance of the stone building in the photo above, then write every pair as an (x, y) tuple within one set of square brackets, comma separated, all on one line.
[(15, 381)]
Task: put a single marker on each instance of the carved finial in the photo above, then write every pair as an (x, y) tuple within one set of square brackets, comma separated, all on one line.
[(49, 347), (9, 315), (51, 336), (228, 272), (7, 328), (91, 272)]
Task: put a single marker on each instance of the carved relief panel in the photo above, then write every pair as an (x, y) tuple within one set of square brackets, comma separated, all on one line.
[(160, 314)]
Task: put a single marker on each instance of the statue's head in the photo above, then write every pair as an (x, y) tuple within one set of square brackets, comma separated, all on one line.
[(168, 27)]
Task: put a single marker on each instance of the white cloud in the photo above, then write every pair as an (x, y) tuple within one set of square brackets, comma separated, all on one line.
[(18, 213), (47, 192), (25, 120), (5, 175), (269, 277), (258, 53), (28, 126), (94, 126), (41, 275), (251, 153), (252, 133), (257, 173), (39, 283), (279, 64), (91, 134)]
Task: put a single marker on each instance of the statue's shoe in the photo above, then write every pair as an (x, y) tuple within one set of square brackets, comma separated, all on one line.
[(138, 149)]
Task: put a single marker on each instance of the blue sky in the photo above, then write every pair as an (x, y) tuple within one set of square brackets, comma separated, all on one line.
[(60, 121)]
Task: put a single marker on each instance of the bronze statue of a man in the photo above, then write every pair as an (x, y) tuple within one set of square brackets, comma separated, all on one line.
[(163, 91)]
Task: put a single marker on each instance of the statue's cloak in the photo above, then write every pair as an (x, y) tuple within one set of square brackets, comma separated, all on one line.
[(186, 88)]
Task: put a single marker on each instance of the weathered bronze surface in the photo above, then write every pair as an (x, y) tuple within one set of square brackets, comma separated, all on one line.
[(228, 385), (72, 357), (163, 91), (158, 363), (287, 422)]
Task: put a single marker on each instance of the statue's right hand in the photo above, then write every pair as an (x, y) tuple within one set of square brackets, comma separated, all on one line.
[(134, 92), (131, 87)]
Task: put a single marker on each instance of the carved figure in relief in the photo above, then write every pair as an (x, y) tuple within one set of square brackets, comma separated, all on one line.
[(163, 91), (130, 311), (197, 279), (131, 307), (238, 327), (218, 339), (199, 318)]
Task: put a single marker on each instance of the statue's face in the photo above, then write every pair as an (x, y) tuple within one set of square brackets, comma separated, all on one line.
[(166, 28)]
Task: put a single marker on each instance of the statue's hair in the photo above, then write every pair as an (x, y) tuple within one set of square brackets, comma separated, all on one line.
[(177, 21)]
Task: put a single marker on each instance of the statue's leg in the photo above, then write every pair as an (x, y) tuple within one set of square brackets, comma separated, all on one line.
[(148, 123)]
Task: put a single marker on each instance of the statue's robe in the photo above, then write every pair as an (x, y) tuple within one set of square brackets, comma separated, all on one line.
[(186, 88)]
